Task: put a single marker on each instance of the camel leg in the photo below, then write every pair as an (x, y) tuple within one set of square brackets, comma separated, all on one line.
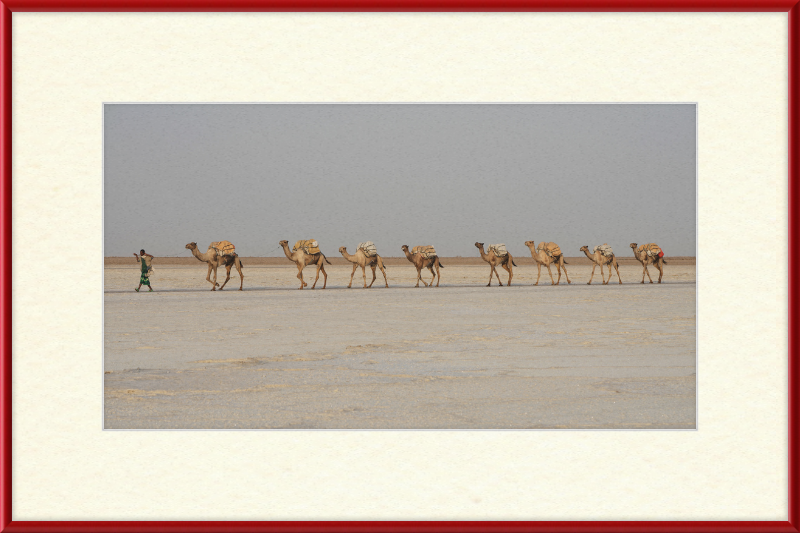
[(438, 275), (497, 274), (648, 274), (563, 265), (433, 274), (383, 271), (319, 266), (491, 272), (540, 273), (617, 269), (419, 277), (660, 271), (364, 274), (325, 274), (241, 277), (372, 266), (552, 281), (300, 276), (208, 278), (603, 276), (215, 278), (592, 276), (355, 266), (228, 272), (509, 268)]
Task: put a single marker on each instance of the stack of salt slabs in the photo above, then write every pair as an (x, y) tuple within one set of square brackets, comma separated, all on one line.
[(222, 248), (550, 248), (309, 246), (425, 251), (652, 249), (369, 248), (605, 249), (498, 249)]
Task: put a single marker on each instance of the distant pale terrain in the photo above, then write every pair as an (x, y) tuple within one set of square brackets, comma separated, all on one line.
[(461, 356)]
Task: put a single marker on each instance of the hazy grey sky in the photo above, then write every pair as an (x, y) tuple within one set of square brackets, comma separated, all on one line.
[(440, 174)]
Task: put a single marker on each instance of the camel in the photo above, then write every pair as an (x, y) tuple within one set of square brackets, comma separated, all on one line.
[(542, 258), (645, 260), (302, 259), (597, 258), (420, 261), (215, 261), (505, 261), (361, 260)]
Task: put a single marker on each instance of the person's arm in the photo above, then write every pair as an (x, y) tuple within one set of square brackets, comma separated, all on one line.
[(150, 256), (136, 256)]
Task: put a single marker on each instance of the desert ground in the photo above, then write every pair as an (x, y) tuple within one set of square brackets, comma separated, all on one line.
[(460, 356)]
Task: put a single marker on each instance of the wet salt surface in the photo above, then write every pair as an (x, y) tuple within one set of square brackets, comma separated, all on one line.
[(463, 356)]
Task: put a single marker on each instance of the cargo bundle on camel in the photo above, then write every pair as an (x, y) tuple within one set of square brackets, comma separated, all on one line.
[(215, 259), (424, 257), (222, 248), (366, 255), (648, 254), (306, 253), (498, 255), (602, 255), (546, 254)]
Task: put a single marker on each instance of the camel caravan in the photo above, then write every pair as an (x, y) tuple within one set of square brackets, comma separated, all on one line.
[(306, 252)]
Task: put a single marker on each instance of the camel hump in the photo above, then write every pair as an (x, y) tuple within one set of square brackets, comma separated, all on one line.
[(498, 249), (370, 250), (425, 250), (309, 246), (223, 248)]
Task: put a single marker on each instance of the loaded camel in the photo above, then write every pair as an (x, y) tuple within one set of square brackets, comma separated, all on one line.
[(541, 258), (302, 259), (597, 258), (505, 261), (361, 260), (642, 256), (420, 261), (215, 261)]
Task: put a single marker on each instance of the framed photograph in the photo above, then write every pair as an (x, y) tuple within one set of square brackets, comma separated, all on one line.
[(179, 174)]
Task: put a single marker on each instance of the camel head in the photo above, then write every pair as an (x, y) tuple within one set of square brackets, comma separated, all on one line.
[(529, 244), (585, 249), (478, 245), (284, 243), (191, 246), (634, 245), (343, 250), (404, 247)]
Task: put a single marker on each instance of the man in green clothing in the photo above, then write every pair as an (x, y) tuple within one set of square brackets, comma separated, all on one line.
[(145, 260)]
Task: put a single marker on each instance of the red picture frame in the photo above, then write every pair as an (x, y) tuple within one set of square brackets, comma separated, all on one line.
[(792, 7)]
